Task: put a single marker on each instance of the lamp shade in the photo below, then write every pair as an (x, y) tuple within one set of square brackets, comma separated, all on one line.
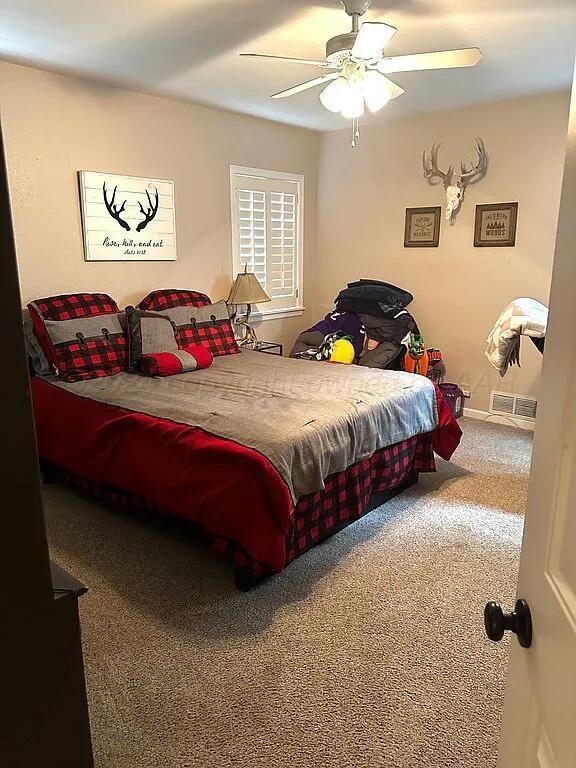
[(375, 89), (331, 96), (352, 101), (247, 290)]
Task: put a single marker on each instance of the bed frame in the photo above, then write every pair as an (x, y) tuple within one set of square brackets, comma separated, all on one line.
[(245, 581)]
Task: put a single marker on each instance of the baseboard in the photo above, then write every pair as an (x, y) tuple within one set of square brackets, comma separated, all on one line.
[(494, 418)]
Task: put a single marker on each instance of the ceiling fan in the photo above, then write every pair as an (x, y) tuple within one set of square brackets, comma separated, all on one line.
[(361, 66)]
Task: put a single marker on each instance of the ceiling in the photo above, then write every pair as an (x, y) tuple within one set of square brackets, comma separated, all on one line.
[(189, 48)]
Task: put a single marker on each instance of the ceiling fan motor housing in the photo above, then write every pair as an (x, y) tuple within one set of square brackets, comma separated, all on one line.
[(356, 6), (339, 48)]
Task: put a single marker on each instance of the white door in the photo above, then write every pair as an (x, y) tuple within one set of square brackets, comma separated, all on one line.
[(539, 726)]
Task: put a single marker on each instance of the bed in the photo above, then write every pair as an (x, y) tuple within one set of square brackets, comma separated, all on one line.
[(267, 455)]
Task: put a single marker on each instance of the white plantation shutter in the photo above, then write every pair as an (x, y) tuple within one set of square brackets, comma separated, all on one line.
[(251, 233), (267, 235), (281, 267)]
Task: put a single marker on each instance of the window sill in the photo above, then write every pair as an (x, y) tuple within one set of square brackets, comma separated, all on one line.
[(277, 314)]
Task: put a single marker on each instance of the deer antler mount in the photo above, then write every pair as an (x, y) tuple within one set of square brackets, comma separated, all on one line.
[(454, 182)]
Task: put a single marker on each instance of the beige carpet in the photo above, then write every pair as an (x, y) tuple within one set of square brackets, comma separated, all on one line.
[(367, 652)]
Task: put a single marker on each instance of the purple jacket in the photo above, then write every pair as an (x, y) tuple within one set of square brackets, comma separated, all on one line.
[(346, 322)]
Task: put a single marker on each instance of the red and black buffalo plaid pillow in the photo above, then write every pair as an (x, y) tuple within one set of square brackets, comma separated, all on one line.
[(208, 326), (72, 305), (81, 334), (158, 301)]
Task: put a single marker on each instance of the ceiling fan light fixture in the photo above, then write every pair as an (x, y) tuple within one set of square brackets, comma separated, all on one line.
[(357, 67), (375, 90), (332, 97), (352, 102)]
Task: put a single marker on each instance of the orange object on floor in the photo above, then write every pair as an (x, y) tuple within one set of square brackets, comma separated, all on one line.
[(416, 358)]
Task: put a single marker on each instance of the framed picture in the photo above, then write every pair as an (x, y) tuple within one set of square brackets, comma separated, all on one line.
[(496, 225), (127, 218), (422, 227)]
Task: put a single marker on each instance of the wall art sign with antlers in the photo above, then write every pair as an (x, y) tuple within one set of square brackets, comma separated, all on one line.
[(127, 218), (455, 182)]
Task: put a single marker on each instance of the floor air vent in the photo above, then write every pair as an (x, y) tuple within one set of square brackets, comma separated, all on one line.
[(506, 404)]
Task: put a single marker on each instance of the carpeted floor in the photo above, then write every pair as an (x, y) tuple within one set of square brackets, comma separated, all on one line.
[(367, 652)]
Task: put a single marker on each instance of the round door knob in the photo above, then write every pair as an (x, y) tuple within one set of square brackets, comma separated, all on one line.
[(496, 622)]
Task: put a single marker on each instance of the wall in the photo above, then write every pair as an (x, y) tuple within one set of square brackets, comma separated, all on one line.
[(56, 125), (459, 290)]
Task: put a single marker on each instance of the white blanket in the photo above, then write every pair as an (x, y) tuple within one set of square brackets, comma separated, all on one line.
[(522, 317)]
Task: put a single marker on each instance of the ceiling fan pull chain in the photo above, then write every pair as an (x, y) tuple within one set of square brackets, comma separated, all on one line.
[(355, 132)]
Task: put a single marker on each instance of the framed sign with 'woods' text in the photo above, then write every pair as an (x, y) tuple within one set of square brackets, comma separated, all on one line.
[(496, 225), (127, 218)]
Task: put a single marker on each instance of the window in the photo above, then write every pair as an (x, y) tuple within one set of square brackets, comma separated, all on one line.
[(267, 234)]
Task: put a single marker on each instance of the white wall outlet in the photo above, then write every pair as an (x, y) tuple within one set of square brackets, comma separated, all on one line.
[(466, 391)]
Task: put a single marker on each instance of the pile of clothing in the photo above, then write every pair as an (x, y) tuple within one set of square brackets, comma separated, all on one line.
[(373, 315)]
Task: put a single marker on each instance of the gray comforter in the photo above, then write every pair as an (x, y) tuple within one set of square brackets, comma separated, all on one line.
[(309, 420)]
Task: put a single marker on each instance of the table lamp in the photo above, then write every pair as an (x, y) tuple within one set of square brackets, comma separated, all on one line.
[(247, 290)]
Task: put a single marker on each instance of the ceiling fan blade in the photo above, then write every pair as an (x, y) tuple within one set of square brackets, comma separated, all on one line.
[(311, 62), (372, 39), (306, 85), (466, 57), (395, 90)]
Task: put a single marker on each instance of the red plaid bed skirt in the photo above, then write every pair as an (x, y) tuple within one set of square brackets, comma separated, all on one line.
[(317, 516)]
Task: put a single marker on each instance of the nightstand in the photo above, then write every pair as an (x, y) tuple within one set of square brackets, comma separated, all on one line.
[(268, 347)]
